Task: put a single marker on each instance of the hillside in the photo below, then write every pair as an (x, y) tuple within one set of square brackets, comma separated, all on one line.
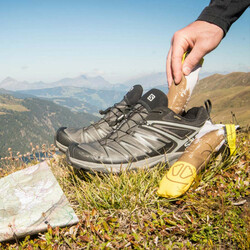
[(228, 93), (33, 120), (15, 94)]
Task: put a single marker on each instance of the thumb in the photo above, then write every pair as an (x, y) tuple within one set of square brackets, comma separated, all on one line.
[(193, 59)]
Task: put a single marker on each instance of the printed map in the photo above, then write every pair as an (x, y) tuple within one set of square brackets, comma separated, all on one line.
[(30, 199)]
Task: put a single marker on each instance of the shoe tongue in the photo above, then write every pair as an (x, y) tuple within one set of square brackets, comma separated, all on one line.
[(133, 95), (154, 98)]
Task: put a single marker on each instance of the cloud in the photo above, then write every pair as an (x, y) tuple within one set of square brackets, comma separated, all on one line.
[(24, 67)]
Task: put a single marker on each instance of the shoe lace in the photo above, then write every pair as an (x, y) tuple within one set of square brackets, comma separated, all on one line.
[(130, 121), (122, 109)]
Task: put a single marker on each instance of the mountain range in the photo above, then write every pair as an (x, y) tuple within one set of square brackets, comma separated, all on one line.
[(80, 81), (98, 82), (83, 93)]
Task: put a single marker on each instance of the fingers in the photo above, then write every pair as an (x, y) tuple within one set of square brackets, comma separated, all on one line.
[(179, 47), (193, 58), (201, 37), (168, 68)]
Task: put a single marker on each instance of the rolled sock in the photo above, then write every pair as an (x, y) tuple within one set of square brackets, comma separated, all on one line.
[(179, 94), (183, 172)]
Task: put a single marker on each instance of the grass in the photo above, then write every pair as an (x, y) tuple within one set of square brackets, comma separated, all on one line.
[(124, 212)]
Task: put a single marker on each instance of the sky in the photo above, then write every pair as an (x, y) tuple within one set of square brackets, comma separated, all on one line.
[(48, 40)]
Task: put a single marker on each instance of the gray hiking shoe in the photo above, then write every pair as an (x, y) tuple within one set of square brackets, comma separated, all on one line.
[(64, 136), (152, 133)]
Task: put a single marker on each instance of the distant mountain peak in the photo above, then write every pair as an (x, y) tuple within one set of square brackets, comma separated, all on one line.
[(9, 79)]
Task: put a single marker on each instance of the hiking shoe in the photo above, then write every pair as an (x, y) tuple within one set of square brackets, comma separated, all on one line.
[(152, 133), (112, 117)]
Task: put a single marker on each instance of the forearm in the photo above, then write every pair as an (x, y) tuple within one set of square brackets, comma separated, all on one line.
[(224, 13)]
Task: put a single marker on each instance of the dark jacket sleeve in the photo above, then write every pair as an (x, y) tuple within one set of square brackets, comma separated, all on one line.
[(224, 13)]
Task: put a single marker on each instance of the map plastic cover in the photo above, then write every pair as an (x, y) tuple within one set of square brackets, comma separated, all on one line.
[(30, 199)]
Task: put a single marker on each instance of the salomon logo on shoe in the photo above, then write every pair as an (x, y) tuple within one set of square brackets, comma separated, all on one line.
[(131, 89), (151, 97), (188, 143)]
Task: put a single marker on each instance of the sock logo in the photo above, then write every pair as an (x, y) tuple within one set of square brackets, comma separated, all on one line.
[(151, 97), (188, 142)]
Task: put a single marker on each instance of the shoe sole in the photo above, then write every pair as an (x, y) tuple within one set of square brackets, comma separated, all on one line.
[(117, 168), (61, 147)]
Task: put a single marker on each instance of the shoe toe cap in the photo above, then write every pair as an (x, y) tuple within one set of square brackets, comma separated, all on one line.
[(78, 153), (62, 137)]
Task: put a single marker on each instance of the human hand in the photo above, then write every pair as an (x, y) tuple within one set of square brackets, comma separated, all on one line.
[(201, 37)]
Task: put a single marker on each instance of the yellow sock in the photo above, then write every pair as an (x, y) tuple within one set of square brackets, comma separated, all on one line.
[(231, 138), (177, 180)]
